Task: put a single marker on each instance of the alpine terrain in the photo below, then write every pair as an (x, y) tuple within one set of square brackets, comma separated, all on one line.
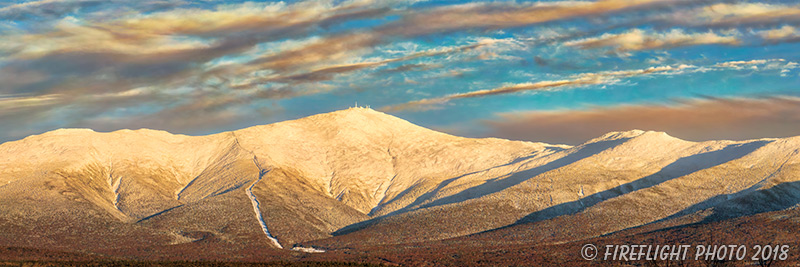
[(361, 185)]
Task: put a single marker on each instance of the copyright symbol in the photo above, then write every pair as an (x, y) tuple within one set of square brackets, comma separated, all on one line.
[(589, 252)]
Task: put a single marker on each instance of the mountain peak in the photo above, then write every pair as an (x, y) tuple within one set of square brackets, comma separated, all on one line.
[(356, 120), (618, 135), (357, 111), (633, 134)]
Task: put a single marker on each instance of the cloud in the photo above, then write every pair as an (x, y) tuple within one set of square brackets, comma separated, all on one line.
[(195, 112), (637, 39), (79, 58), (20, 102), (225, 29), (449, 18), (738, 14), (573, 81), (36, 114), (592, 78), (697, 120), (325, 50), (49, 9), (504, 15), (167, 48), (44, 8), (721, 24), (410, 67), (327, 72), (192, 114), (785, 34)]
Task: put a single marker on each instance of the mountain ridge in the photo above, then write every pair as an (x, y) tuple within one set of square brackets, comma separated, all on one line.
[(361, 176)]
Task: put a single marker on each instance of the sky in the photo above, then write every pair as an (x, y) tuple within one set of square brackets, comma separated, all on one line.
[(549, 71)]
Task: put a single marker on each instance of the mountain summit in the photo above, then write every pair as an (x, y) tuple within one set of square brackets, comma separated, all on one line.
[(359, 176)]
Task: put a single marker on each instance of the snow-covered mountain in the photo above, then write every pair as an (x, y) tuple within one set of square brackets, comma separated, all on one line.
[(359, 176)]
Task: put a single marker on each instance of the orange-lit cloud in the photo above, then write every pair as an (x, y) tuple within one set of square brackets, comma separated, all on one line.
[(696, 120), (167, 48), (338, 48), (327, 72), (737, 14), (161, 47), (498, 16), (181, 29), (637, 39), (781, 35)]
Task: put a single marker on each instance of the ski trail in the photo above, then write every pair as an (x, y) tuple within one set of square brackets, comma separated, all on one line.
[(255, 203), (253, 199)]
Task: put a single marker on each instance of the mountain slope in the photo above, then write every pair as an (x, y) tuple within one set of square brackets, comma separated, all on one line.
[(358, 176), (615, 182)]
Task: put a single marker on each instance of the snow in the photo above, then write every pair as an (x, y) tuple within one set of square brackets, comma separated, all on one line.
[(376, 164), (260, 218), (308, 250)]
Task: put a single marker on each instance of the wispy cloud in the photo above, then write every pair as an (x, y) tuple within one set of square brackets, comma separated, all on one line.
[(19, 102), (225, 26), (503, 15), (738, 14), (583, 79), (328, 71), (637, 39)]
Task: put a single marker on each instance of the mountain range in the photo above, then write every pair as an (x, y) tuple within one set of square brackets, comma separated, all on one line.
[(345, 184)]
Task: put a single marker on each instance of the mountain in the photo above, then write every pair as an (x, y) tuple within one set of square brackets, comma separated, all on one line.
[(361, 178)]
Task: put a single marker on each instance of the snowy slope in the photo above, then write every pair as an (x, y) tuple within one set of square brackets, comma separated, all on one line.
[(359, 175)]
